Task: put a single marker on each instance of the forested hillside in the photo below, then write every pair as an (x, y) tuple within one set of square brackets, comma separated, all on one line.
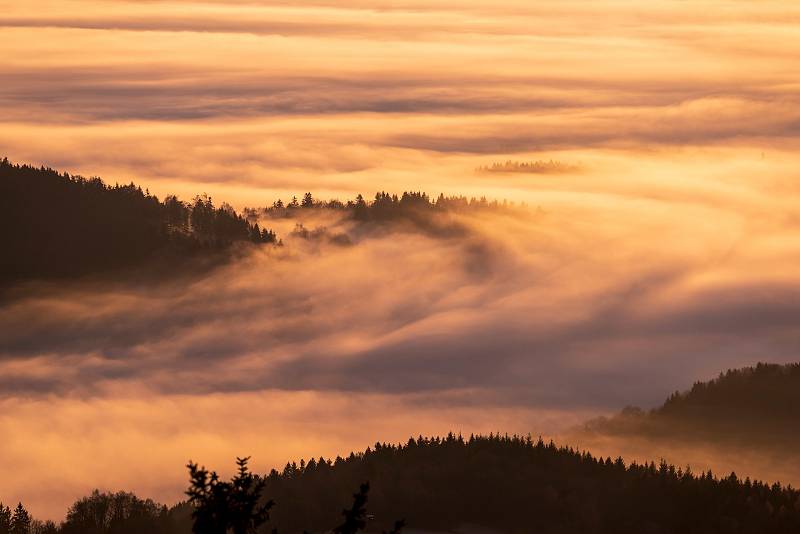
[(754, 405), (54, 225), (508, 484), (516, 484)]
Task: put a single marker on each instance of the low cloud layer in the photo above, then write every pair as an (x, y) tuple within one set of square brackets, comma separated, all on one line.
[(513, 310), (669, 257)]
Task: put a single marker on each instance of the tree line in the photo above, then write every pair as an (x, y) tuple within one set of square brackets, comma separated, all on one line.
[(383, 206), (507, 483), (53, 224)]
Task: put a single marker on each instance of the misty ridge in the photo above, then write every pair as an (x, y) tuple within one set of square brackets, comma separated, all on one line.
[(212, 266), (745, 419), (413, 212), (59, 225), (757, 407), (493, 483)]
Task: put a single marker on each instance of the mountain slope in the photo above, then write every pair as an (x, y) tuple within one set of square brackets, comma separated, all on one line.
[(754, 406), (54, 225)]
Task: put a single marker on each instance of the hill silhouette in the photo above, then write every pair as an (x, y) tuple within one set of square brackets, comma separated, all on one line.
[(55, 225), (507, 484), (757, 407)]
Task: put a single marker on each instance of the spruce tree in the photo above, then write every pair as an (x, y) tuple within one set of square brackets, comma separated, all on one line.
[(20, 521)]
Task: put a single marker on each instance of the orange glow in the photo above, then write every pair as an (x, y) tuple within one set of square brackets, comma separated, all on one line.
[(678, 121)]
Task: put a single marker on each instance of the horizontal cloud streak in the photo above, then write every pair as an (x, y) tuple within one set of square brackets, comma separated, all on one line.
[(164, 94), (353, 94), (669, 257)]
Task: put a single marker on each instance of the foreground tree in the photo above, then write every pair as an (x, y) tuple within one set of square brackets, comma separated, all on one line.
[(221, 507), (235, 507)]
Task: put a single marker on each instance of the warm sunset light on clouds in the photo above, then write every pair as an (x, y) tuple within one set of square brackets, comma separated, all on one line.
[(659, 257)]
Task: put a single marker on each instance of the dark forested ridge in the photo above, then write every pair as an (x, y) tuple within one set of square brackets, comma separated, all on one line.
[(516, 484), (754, 405), (54, 225), (508, 484)]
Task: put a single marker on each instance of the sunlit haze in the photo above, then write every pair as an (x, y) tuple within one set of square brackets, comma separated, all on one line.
[(653, 242)]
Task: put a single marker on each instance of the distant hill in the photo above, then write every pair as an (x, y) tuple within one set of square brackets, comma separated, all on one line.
[(753, 406), (500, 483), (55, 225)]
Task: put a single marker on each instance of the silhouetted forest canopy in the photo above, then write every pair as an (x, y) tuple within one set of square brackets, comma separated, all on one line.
[(383, 207), (509, 484), (751, 405), (413, 211), (54, 224)]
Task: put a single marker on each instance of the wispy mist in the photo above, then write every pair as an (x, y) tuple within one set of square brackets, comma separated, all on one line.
[(531, 319), (670, 256)]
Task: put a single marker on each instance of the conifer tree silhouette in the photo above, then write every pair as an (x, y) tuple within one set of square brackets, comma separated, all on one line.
[(221, 507), (21, 521)]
